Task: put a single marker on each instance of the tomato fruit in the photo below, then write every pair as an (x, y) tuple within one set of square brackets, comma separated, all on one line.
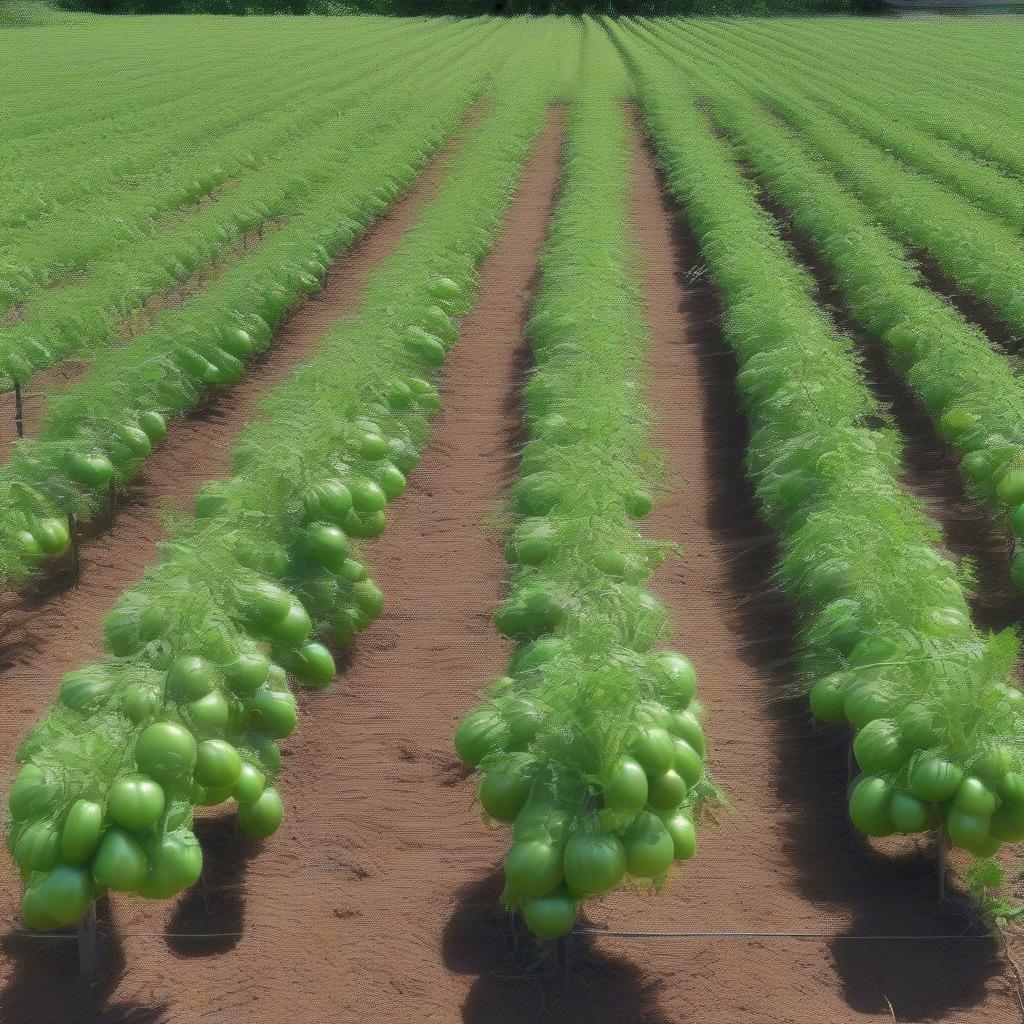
[(626, 787), (684, 836), (550, 916), (175, 863), (533, 867), (247, 673), (249, 785), (262, 817), (594, 862), (503, 794), (120, 862), (480, 733), (37, 847), (65, 893), (135, 802), (654, 749), (649, 848), (81, 833), (165, 750)]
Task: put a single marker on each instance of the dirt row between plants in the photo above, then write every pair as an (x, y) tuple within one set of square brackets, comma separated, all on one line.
[(783, 858), (65, 632)]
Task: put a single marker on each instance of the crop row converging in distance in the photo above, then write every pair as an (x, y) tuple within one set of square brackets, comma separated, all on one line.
[(170, 240)]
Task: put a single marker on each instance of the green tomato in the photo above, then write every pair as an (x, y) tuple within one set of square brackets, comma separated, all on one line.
[(877, 747), (92, 470), (654, 749), (191, 678), (369, 599), (503, 794), (274, 713), (262, 817), (828, 696), (38, 847), (326, 545), (550, 916), (211, 714), (687, 762), (594, 862), (908, 814), (165, 750), (312, 665), (51, 535), (533, 867), (667, 791), (869, 806), (684, 836), (975, 798), (65, 893), (175, 863), (933, 779), (684, 725), (480, 733), (247, 673), (139, 702), (81, 833), (120, 862), (31, 794), (626, 788), (154, 424), (365, 526), (218, 764), (135, 802), (249, 785), (649, 848), (676, 676), (367, 496), (294, 629)]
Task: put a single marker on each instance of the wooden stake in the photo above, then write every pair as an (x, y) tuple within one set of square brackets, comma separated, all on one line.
[(941, 860), (19, 419), (88, 947)]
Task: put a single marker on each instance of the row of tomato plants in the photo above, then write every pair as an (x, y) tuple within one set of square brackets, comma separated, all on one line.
[(101, 429), (922, 92), (877, 117), (971, 391), (590, 746), (189, 704), (163, 135), (128, 251), (886, 643)]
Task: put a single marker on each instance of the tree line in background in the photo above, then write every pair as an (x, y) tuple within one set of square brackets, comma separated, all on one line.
[(450, 7)]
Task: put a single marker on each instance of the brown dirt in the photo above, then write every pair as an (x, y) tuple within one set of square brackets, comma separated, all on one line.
[(53, 636), (783, 859), (345, 914)]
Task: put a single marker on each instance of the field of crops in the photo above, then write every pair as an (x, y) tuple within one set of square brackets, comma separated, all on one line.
[(512, 519)]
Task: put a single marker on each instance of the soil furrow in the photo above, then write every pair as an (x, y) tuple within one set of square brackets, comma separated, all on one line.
[(65, 631), (783, 857), (347, 913)]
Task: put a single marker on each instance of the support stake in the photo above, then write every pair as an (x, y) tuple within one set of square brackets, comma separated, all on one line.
[(941, 859), (88, 947), (19, 418)]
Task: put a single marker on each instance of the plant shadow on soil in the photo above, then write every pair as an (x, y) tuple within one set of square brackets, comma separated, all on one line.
[(44, 988), (214, 907), (516, 983), (886, 893)]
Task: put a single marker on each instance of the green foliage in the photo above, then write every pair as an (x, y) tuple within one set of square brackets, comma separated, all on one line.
[(886, 637), (585, 681), (194, 693)]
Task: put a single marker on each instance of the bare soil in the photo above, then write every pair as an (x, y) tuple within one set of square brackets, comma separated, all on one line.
[(783, 858), (377, 900), (47, 637)]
